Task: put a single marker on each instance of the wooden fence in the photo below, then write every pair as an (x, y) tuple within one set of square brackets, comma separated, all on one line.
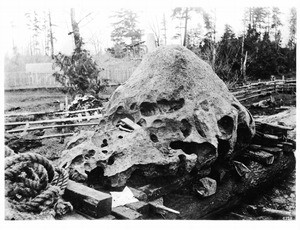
[(258, 89), (23, 80)]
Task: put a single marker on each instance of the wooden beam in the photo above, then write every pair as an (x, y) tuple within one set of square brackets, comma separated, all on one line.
[(53, 120), (87, 200), (54, 136), (59, 112), (51, 127), (125, 213)]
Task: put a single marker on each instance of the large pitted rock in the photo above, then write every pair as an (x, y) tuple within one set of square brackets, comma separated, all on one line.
[(187, 120)]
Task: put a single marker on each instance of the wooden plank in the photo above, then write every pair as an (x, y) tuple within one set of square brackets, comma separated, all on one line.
[(53, 120), (87, 200), (54, 136), (59, 112), (125, 213), (51, 127), (138, 194), (139, 206)]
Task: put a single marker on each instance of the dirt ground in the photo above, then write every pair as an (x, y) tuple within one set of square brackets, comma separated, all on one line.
[(281, 196)]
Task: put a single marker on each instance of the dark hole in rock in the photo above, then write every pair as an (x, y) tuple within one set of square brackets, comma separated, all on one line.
[(157, 123), (142, 122), (102, 122), (148, 109), (182, 157), (91, 152), (133, 106), (120, 137), (104, 143), (104, 151), (153, 137), (96, 176), (204, 105), (110, 160), (170, 105), (226, 125), (236, 106), (120, 110), (185, 127), (78, 159), (223, 147)]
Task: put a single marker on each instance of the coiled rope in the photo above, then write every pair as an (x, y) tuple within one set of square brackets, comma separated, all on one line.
[(33, 185)]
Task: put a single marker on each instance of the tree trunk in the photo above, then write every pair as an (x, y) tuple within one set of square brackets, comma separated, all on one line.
[(51, 35), (75, 28), (165, 29), (185, 27)]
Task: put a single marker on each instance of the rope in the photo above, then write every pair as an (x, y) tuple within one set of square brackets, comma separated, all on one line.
[(34, 185)]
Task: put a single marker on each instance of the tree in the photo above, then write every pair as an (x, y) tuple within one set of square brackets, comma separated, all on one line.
[(79, 73), (125, 27), (292, 28), (276, 23), (184, 14), (75, 32), (154, 27)]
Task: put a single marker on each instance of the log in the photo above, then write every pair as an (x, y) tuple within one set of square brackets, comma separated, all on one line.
[(87, 200), (232, 191), (260, 157), (262, 211)]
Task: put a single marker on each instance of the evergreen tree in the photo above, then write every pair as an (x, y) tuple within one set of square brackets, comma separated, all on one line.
[(125, 27)]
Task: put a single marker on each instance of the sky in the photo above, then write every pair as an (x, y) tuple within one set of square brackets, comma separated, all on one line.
[(98, 23)]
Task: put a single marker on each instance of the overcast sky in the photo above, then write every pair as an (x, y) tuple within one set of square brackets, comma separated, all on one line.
[(98, 23)]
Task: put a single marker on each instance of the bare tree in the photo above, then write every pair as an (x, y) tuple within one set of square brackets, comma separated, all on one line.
[(164, 29), (154, 27)]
